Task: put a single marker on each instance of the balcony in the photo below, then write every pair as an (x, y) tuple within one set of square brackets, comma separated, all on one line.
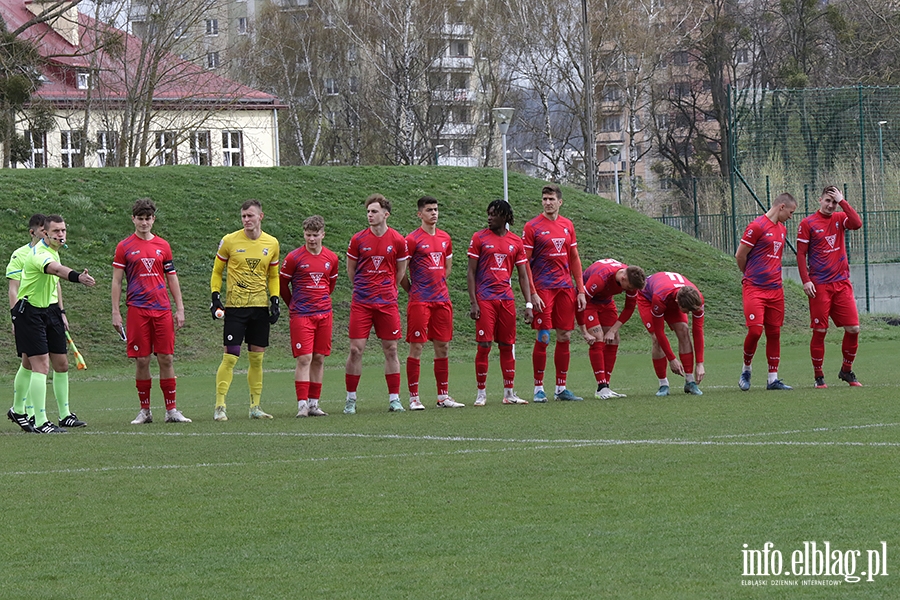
[(453, 96), (454, 63)]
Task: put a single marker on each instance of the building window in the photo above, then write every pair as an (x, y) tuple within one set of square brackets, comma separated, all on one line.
[(212, 27), (331, 87), (462, 114), (461, 48), (83, 80), (459, 81), (232, 149), (212, 60), (179, 31), (200, 148), (242, 25), (353, 85), (166, 148), (461, 147), (611, 123), (611, 93), (352, 53), (106, 148), (682, 89), (38, 143), (680, 58), (742, 56), (70, 148)]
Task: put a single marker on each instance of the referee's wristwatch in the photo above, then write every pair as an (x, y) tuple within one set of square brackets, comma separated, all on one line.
[(529, 305)]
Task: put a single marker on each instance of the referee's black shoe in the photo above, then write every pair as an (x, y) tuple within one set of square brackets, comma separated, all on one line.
[(71, 421), (21, 420), (49, 427)]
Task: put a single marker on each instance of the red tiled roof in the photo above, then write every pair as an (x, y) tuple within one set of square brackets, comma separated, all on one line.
[(182, 85)]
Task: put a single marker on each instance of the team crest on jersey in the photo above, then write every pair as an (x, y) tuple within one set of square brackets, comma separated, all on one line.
[(500, 258), (831, 239), (158, 252), (558, 242), (316, 277), (436, 258), (148, 264), (444, 245), (377, 260), (252, 263), (327, 264), (390, 249), (265, 251), (511, 248), (776, 246)]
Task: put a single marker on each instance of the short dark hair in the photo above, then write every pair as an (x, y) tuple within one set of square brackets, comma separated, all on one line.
[(425, 201), (636, 277), (143, 207), (380, 200), (314, 223), (36, 220), (688, 298), (251, 202), (54, 219), (785, 198), (552, 188), (501, 208)]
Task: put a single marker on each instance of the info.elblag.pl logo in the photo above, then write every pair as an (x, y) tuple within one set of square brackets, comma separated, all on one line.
[(813, 560)]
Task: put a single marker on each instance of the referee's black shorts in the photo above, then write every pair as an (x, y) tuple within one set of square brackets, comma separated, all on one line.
[(250, 324), (38, 330)]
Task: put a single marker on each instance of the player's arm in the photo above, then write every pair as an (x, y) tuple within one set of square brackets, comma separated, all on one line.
[(525, 286), (404, 280), (64, 272), (448, 265), (333, 276), (741, 255), (175, 289), (401, 268), (853, 221), (803, 269), (215, 283), (116, 297), (351, 270), (474, 311), (13, 291), (578, 276), (285, 289), (697, 331)]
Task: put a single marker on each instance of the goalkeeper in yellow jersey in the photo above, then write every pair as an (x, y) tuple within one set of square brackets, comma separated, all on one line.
[(250, 257)]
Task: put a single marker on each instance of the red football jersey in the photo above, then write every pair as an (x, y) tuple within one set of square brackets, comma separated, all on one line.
[(146, 264), (497, 257), (550, 243), (428, 256), (375, 280), (312, 278), (766, 240)]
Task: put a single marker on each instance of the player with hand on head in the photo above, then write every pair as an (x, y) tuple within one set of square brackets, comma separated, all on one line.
[(376, 262), (308, 277), (251, 303), (667, 298), (552, 250), (599, 321), (759, 258), (429, 313), (494, 253), (825, 273), (144, 261), (40, 328)]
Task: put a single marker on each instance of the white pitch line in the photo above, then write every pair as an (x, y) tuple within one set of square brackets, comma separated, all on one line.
[(542, 445)]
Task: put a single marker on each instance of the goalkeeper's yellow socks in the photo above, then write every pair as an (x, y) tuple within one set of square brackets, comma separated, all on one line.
[(255, 377), (224, 376)]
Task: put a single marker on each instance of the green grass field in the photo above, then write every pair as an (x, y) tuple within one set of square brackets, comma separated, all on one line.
[(639, 497)]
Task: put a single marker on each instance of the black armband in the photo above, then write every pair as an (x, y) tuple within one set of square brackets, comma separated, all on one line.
[(73, 276)]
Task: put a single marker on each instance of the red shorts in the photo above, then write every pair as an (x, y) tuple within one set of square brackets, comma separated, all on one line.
[(385, 318), (149, 332), (429, 321), (497, 322), (672, 315), (763, 306), (833, 300), (559, 310), (600, 315), (311, 334)]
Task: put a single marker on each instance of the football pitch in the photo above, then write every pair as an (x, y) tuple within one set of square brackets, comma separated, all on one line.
[(639, 497)]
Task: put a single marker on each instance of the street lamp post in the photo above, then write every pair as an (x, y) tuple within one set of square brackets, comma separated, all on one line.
[(504, 116), (590, 169), (437, 154), (615, 153), (881, 125)]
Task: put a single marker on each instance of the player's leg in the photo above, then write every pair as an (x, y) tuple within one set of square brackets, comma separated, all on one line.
[(484, 336), (819, 307), (360, 325), (417, 318), (59, 362), (388, 329), (19, 412), (257, 342), (163, 344), (562, 316), (844, 313), (33, 327), (440, 331), (754, 311), (686, 354), (505, 334), (301, 382), (413, 372), (143, 381), (321, 349), (233, 336), (772, 322)]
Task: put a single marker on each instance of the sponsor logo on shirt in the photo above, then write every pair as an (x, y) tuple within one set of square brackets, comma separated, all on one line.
[(148, 264)]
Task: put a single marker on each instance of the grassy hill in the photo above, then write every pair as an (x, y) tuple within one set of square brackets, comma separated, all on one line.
[(198, 205)]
